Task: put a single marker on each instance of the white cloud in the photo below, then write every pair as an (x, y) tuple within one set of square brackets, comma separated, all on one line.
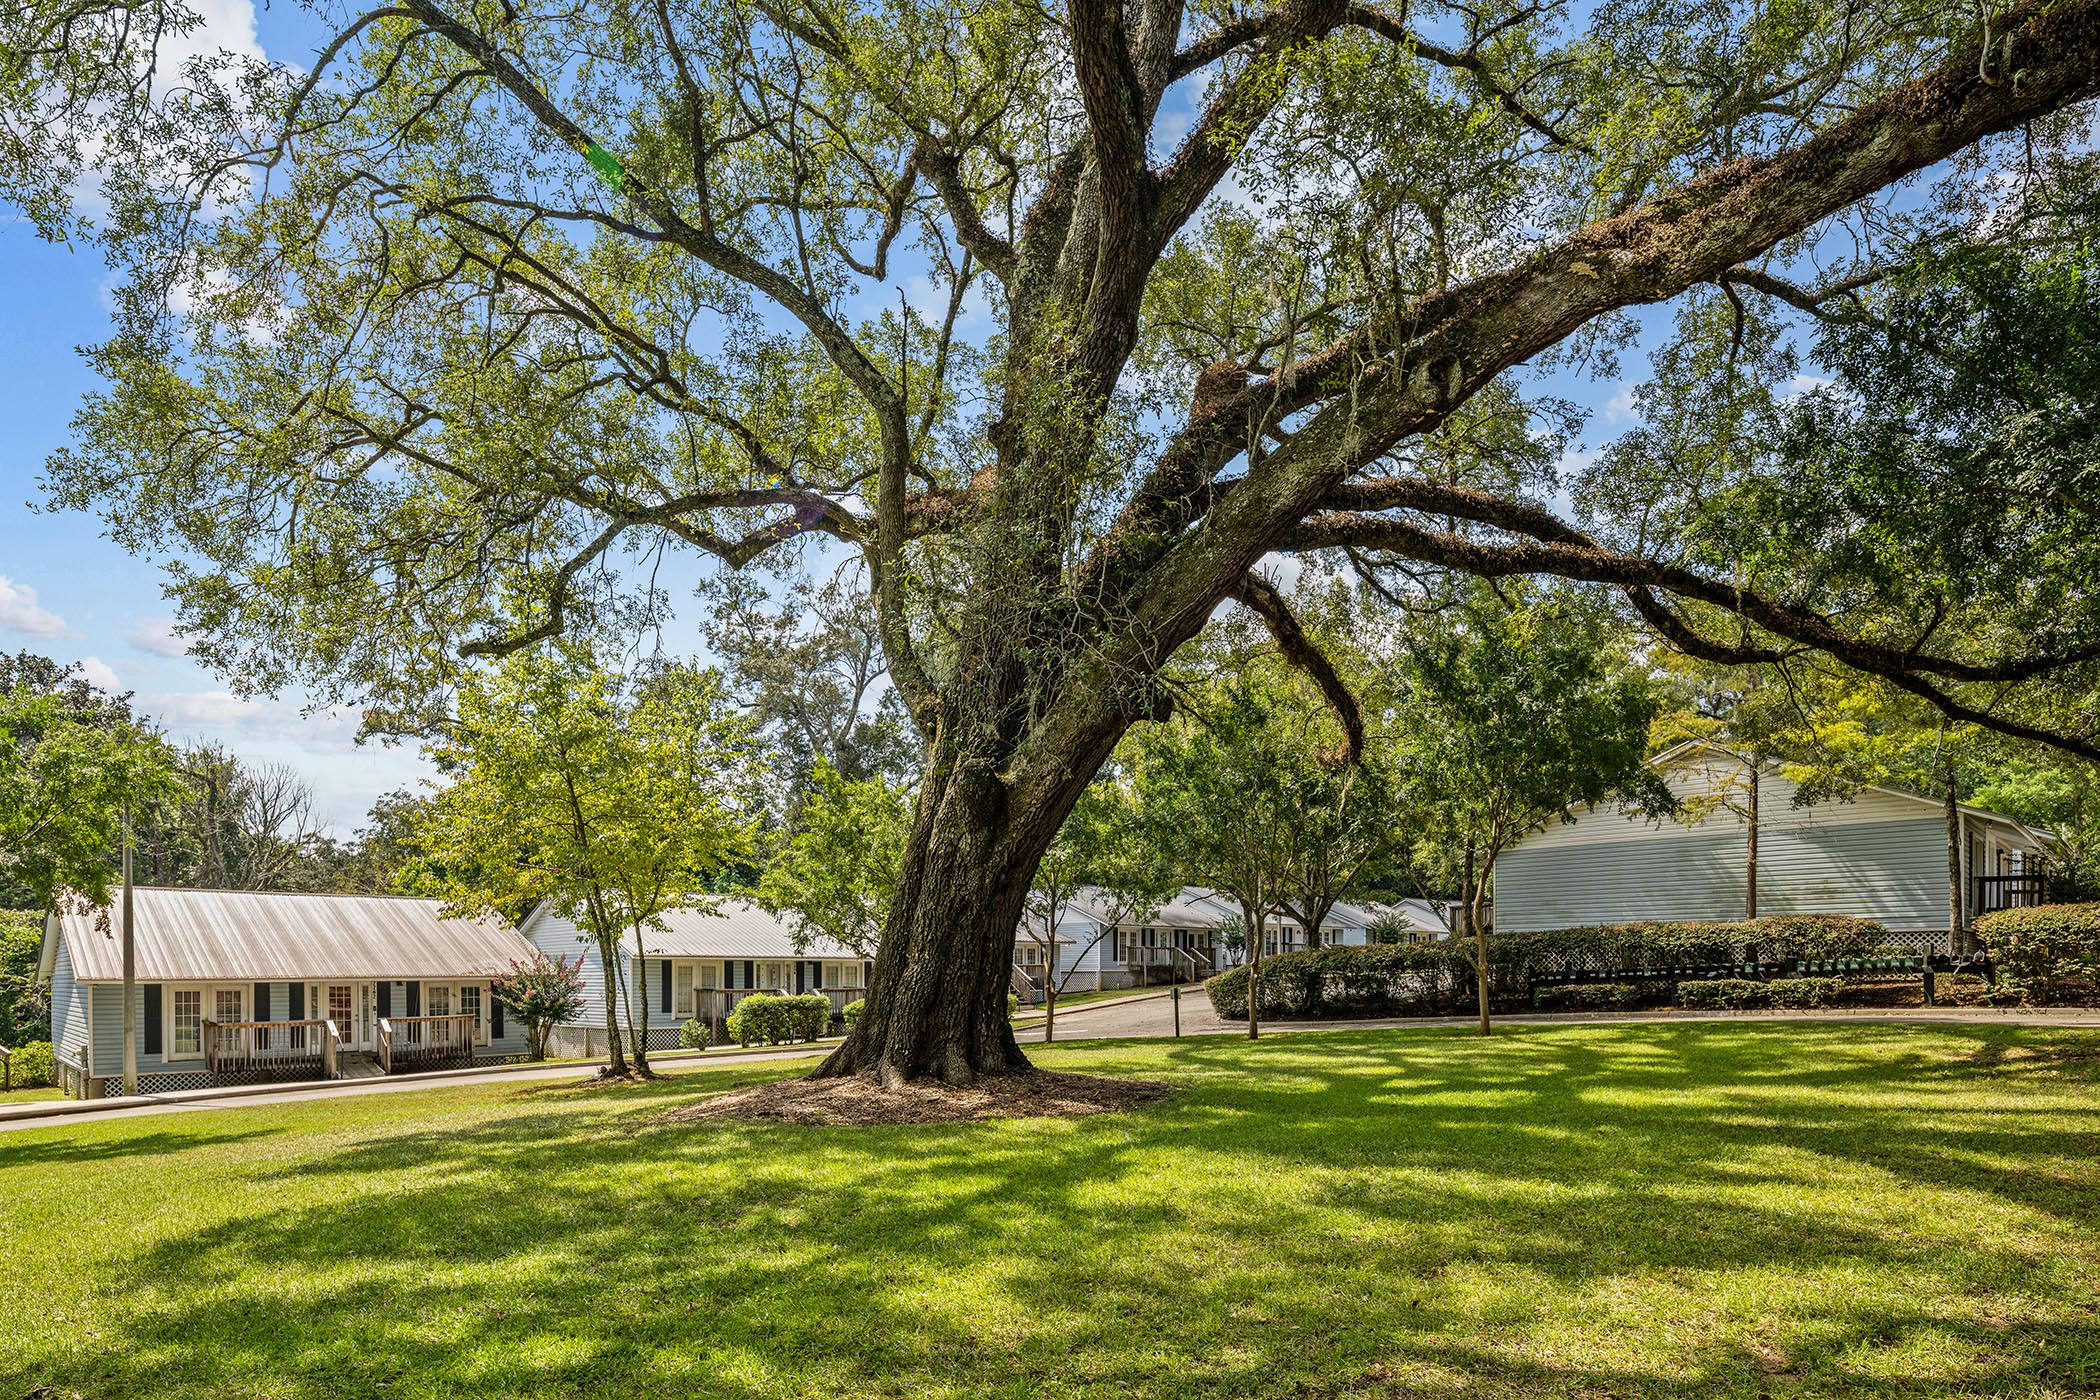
[(222, 714), (98, 674), (1619, 407), (158, 636), (1803, 383), (21, 612)]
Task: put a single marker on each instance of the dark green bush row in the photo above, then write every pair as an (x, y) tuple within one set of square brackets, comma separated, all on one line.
[(1736, 994), (2048, 955), (1429, 978), (776, 1020), (1589, 996)]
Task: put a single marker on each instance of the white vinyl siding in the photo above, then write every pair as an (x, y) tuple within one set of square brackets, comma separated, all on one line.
[(1879, 856)]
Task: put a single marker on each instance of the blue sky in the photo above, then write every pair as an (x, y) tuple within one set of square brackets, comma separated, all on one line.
[(69, 593)]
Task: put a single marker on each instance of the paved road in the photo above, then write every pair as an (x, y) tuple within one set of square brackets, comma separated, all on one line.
[(1133, 1017)]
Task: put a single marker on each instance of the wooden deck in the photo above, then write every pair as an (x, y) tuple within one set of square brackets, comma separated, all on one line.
[(424, 1042), (241, 1051)]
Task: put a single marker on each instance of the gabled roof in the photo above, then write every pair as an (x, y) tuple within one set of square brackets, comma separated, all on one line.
[(732, 928), (1191, 907), (1417, 913), (254, 936), (1671, 757)]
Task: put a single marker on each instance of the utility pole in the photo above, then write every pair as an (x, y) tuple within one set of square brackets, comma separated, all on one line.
[(131, 1030)]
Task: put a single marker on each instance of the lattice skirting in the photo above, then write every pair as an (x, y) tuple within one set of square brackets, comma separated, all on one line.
[(520, 1058), (171, 1082), (662, 1037)]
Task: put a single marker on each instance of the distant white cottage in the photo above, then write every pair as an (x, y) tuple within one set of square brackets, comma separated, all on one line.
[(1179, 941), (1881, 854), (699, 965)]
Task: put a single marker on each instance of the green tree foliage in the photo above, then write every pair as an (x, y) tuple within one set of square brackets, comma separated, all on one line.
[(1061, 319), (1516, 711), (66, 783), (1215, 782), (25, 1012), (836, 873), (613, 804)]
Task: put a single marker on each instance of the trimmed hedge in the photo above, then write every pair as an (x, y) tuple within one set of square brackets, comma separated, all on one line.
[(1433, 978), (2048, 955), (34, 1066), (1588, 996), (852, 1011), (777, 1020), (1737, 994), (1379, 979)]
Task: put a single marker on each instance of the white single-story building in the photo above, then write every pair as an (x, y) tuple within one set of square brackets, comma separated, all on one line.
[(1880, 854), (701, 963), (233, 986), (1179, 942)]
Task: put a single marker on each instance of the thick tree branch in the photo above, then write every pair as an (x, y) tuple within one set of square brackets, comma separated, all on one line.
[(1267, 603)]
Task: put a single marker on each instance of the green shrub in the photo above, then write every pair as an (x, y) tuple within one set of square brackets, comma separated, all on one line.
[(1803, 993), (1013, 1005), (777, 1020), (1379, 979), (2048, 955), (35, 1067), (1588, 996), (852, 1011), (1739, 994), (1723, 994), (1430, 978), (695, 1035)]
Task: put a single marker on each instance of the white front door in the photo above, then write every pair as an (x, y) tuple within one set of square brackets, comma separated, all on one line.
[(350, 1006)]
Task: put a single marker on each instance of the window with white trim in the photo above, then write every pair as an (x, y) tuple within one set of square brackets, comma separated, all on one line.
[(228, 1004), (682, 998), (470, 1005), (437, 1000), (186, 1023), (710, 976)]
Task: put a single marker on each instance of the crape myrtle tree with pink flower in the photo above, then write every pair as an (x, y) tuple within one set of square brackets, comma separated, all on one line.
[(1063, 319)]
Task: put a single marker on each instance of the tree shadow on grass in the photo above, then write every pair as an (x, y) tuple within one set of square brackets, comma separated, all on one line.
[(1681, 1215)]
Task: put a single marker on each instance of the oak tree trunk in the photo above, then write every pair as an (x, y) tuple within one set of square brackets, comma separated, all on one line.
[(936, 1005)]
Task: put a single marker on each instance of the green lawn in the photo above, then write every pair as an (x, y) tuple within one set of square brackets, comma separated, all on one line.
[(1688, 1210), (28, 1096)]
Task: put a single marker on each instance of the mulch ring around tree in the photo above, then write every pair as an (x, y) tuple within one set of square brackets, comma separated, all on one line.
[(861, 1102)]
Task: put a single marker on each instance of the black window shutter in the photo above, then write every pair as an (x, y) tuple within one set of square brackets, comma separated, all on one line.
[(415, 998), (152, 996), (298, 1008), (728, 976), (261, 1010), (750, 978), (495, 1019), (801, 972), (386, 998), (816, 977), (666, 966)]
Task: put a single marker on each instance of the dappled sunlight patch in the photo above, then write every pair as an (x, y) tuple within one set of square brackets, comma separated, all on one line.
[(859, 1101)]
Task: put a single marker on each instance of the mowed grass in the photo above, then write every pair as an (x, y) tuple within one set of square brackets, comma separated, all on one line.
[(1653, 1210)]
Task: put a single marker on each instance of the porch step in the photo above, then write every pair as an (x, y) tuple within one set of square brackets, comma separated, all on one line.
[(357, 1066)]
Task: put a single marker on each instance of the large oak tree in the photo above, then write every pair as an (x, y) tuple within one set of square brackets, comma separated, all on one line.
[(1062, 317)]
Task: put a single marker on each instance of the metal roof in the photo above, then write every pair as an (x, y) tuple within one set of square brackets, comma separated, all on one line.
[(252, 936), (1190, 908), (733, 928)]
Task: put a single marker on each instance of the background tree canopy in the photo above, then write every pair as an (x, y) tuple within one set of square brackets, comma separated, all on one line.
[(1061, 318)]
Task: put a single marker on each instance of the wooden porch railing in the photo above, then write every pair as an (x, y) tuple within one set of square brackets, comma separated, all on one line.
[(1995, 892), (407, 1042), (275, 1048)]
